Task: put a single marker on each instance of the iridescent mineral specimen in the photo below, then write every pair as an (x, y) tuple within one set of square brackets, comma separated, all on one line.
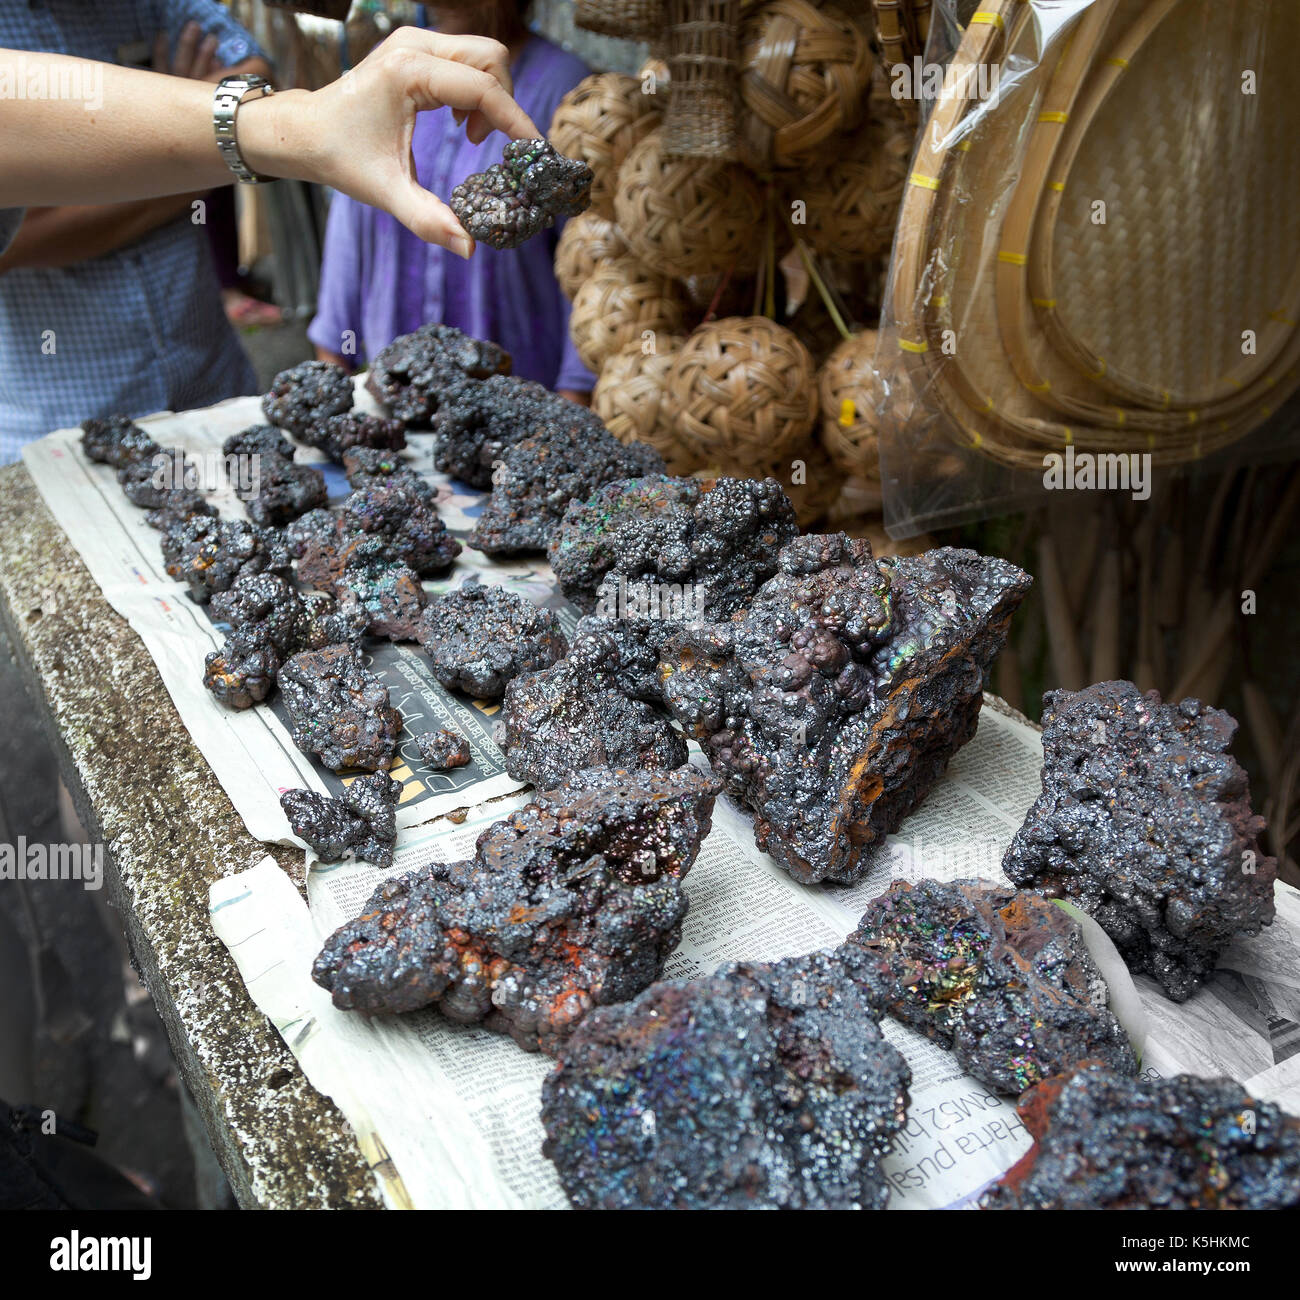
[(306, 393), (1104, 1142), (320, 526), (999, 976), (411, 374), (834, 701), (116, 441), (387, 591), (720, 535), (540, 475), (339, 710), (444, 749), (338, 434), (263, 598), (765, 1086), (574, 901), (406, 521), (260, 440), (564, 718), (148, 481), (479, 638), (360, 823), (208, 553), (478, 420), (243, 672), (522, 195), (1145, 821), (178, 505), (368, 466)]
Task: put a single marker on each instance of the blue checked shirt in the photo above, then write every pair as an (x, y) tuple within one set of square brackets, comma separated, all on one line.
[(140, 329)]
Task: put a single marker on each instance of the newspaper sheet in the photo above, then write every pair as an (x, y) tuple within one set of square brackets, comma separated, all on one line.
[(450, 1114), (251, 752)]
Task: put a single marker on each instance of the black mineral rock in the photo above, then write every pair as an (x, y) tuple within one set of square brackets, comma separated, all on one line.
[(444, 749), (339, 710), (338, 434), (360, 823), (540, 475), (1145, 821), (407, 522), (208, 553), (565, 718), (999, 976), (478, 420), (411, 374), (833, 702), (260, 440), (243, 672), (479, 638), (148, 481), (368, 466), (522, 195), (116, 440), (573, 902), (1106, 1142), (311, 391), (386, 591), (765, 1086), (178, 505), (720, 535)]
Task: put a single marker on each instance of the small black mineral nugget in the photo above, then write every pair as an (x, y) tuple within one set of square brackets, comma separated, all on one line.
[(116, 440), (522, 195), (479, 638), (411, 375), (444, 750), (359, 823), (312, 391)]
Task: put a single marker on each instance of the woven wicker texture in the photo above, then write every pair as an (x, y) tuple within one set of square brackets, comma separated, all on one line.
[(619, 301), (630, 19), (703, 45), (599, 121), (852, 199), (586, 241), (849, 393), (742, 393), (629, 397), (1031, 289), (687, 216), (805, 72), (901, 29)]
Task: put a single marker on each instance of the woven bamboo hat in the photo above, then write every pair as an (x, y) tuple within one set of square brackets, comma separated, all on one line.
[(1082, 252)]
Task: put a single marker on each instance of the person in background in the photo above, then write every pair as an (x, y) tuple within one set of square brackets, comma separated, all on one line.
[(379, 281), (116, 307)]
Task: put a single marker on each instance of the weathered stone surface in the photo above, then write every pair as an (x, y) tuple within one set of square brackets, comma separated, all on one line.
[(169, 830)]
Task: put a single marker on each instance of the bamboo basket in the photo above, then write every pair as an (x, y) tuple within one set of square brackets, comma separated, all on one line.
[(586, 241), (702, 47), (629, 19), (622, 302), (1117, 337)]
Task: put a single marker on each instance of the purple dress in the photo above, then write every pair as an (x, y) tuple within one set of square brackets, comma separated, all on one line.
[(378, 280)]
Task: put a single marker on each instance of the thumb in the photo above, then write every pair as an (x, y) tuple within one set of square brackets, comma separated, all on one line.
[(426, 215)]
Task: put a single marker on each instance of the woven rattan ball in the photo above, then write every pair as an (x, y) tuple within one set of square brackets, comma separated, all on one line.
[(629, 397), (628, 19), (805, 72), (850, 393), (586, 241), (688, 216), (851, 200), (742, 392), (617, 304), (599, 121)]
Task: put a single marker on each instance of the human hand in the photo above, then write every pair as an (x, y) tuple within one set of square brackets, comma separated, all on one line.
[(195, 57), (355, 134)]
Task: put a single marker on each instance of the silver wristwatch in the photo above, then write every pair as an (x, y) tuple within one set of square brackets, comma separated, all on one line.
[(230, 93)]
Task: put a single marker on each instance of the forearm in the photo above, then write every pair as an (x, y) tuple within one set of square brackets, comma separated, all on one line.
[(128, 134), (63, 236)]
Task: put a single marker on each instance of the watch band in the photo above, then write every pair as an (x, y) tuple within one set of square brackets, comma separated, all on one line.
[(228, 96)]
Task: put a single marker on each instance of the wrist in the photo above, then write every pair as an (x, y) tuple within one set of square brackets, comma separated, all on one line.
[(272, 138)]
